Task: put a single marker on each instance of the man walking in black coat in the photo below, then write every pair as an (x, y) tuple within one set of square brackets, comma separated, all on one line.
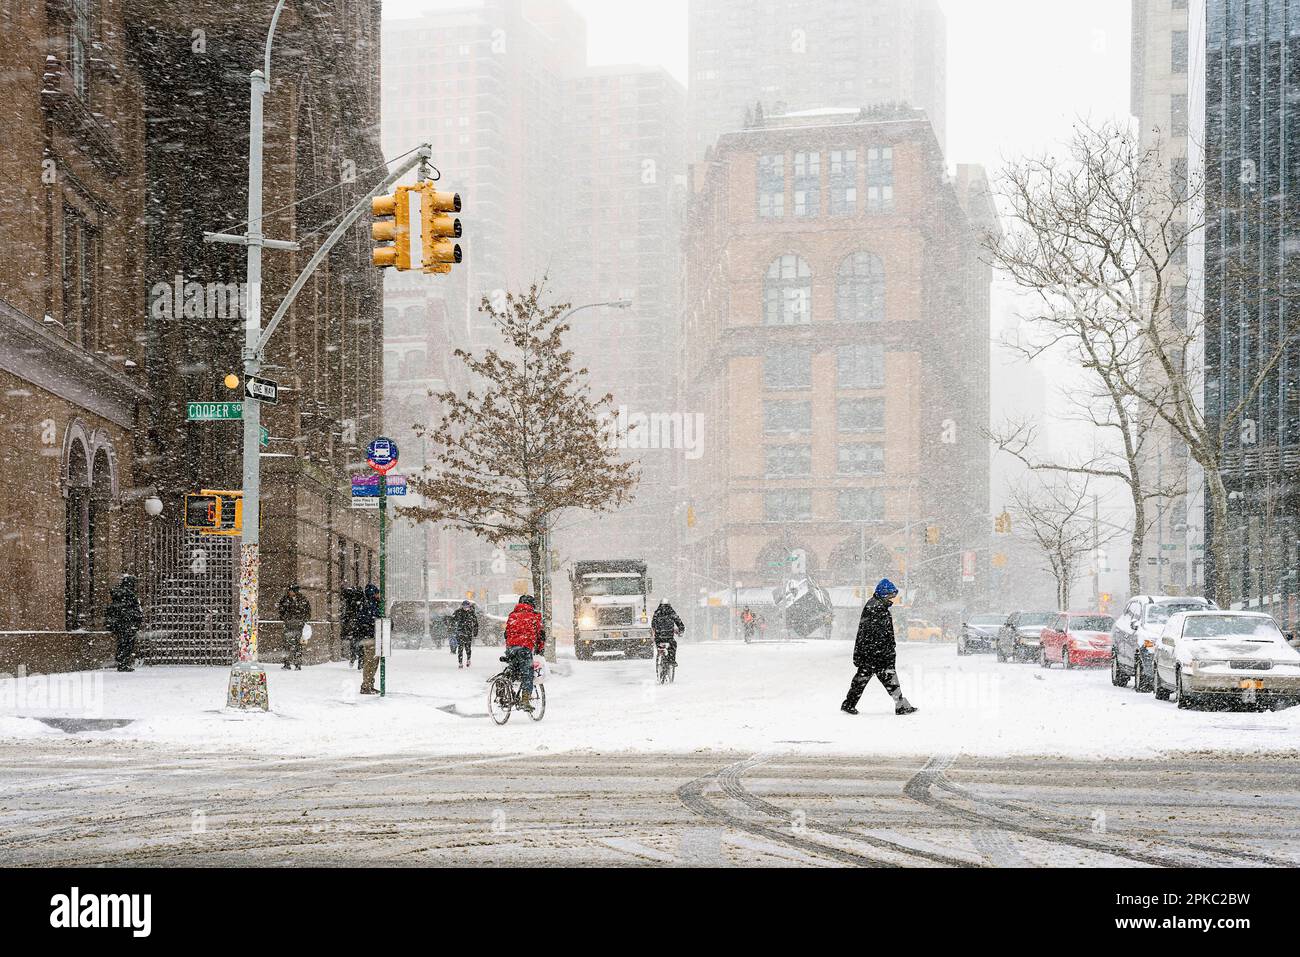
[(367, 614), (874, 652), (123, 619), (464, 625), (295, 612)]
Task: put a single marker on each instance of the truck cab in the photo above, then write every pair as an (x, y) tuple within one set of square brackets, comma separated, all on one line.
[(611, 611)]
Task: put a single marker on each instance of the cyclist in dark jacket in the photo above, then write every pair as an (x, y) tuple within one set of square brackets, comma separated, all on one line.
[(874, 651), (667, 625)]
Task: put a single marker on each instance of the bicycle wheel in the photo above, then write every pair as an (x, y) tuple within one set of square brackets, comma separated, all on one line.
[(501, 698), (539, 702), (661, 668)]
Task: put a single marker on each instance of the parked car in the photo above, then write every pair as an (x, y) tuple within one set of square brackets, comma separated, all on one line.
[(1019, 635), (1076, 638), (918, 629), (1136, 631), (978, 634), (1242, 656)]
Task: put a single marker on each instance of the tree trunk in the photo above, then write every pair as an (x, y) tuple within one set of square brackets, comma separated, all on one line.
[(1218, 541), (1137, 543)]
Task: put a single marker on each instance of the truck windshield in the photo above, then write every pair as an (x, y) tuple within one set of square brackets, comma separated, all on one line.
[(612, 585)]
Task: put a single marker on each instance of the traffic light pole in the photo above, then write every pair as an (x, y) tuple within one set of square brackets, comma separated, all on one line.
[(247, 687)]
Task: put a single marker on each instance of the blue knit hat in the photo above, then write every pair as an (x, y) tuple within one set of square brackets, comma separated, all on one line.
[(886, 588)]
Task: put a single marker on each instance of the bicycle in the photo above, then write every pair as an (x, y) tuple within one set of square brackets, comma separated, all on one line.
[(665, 668), (505, 693)]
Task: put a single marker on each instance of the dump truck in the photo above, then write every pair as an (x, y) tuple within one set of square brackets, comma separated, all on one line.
[(611, 611)]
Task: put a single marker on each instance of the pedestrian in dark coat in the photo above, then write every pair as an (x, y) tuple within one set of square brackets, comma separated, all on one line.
[(367, 614), (352, 598), (464, 626), (295, 612), (123, 619), (874, 651)]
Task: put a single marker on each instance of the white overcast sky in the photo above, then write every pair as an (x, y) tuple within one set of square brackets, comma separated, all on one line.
[(1019, 71)]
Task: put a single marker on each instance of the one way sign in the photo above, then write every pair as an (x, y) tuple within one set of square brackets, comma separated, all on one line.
[(263, 390)]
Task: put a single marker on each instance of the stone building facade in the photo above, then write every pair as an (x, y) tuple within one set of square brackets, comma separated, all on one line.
[(128, 127)]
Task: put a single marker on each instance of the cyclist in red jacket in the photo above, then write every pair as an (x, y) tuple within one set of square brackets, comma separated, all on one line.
[(524, 638)]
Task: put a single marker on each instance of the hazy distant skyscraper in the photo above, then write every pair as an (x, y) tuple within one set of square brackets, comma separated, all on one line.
[(813, 54)]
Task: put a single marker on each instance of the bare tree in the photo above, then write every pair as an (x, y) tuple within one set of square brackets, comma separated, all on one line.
[(528, 442), (1054, 513), (1102, 238)]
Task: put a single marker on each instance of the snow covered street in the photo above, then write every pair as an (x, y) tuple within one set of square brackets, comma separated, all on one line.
[(744, 760), (727, 697)]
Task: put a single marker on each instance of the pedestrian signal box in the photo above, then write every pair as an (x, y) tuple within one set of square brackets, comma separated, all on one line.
[(215, 512)]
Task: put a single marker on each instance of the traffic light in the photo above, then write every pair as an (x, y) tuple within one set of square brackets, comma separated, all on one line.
[(392, 225), (439, 230), (932, 534), (999, 560), (690, 516), (1002, 523)]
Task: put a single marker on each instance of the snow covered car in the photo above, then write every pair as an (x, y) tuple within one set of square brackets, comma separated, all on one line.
[(978, 634), (1076, 638), (1019, 635), (1224, 655), (1136, 631)]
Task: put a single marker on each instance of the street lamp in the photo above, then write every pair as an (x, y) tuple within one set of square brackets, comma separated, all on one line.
[(153, 506)]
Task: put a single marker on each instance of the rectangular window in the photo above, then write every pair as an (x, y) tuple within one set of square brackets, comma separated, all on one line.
[(880, 179), (788, 369), (787, 461), (844, 182), (788, 505), (1178, 114), (784, 418), (807, 184), (860, 366), (81, 257), (78, 44), (861, 458), (861, 505), (1178, 51), (771, 185), (860, 415)]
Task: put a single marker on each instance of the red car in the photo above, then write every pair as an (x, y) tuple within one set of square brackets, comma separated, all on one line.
[(1076, 638)]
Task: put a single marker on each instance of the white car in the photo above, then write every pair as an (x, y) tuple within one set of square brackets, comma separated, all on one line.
[(1238, 655)]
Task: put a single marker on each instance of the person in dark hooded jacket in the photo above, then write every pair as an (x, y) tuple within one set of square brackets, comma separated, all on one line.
[(123, 619), (352, 599), (875, 653), (667, 625), (367, 614)]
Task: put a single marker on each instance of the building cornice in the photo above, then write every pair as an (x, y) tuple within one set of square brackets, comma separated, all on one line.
[(39, 355)]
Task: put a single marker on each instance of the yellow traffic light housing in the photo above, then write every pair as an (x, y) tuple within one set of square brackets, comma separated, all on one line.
[(932, 534), (1002, 524), (439, 251), (392, 225)]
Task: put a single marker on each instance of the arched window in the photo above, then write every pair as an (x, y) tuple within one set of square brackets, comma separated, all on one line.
[(860, 289), (787, 292)]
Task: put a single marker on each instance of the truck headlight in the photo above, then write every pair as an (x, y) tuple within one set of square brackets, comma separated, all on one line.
[(643, 619), (587, 621)]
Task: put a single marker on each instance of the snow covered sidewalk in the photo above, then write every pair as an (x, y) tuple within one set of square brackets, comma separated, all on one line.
[(727, 697)]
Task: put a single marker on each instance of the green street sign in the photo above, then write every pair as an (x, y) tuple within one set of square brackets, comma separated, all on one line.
[(264, 435), (518, 546), (213, 411)]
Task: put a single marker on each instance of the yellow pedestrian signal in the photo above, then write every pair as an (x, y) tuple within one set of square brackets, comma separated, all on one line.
[(439, 230), (212, 512), (392, 226)]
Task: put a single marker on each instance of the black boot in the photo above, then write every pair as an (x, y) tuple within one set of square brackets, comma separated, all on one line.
[(904, 707), (848, 708)]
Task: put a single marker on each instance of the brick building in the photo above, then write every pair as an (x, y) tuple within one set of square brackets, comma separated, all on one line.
[(128, 121), (836, 334)]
